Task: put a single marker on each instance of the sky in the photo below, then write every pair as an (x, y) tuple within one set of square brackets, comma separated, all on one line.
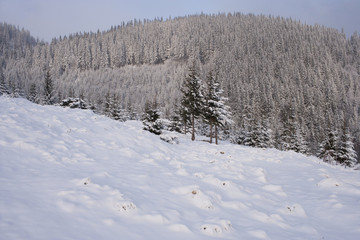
[(46, 19)]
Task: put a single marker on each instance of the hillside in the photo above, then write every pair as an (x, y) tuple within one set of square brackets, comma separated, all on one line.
[(71, 174), (274, 71)]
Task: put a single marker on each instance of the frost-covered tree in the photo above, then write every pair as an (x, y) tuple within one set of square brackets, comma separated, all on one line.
[(150, 118), (33, 94), (346, 154), (287, 139), (328, 148), (215, 112), (48, 89), (192, 101), (106, 110), (3, 87), (301, 145)]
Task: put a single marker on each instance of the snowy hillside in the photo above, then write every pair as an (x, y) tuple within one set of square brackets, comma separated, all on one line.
[(71, 174)]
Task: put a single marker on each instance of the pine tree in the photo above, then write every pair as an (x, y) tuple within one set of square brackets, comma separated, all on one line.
[(33, 95), (107, 105), (215, 112), (184, 115), (3, 87), (192, 101), (328, 148), (114, 107), (175, 124), (301, 145), (49, 93), (288, 139), (210, 113), (150, 117), (346, 154)]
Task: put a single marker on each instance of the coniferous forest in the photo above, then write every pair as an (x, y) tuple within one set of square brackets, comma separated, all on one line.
[(289, 85)]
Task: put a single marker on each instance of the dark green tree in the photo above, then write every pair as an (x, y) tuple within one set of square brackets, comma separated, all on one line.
[(3, 87), (33, 94), (150, 117), (346, 154), (192, 102), (49, 92), (328, 148)]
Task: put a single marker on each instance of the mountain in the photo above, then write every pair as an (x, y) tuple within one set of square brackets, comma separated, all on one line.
[(277, 73), (71, 174)]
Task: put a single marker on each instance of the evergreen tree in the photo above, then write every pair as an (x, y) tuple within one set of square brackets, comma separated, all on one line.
[(288, 139), (184, 115), (49, 93), (215, 112), (114, 106), (175, 124), (3, 87), (150, 118), (33, 95), (346, 153), (212, 98), (192, 101), (258, 135), (107, 105), (328, 148), (301, 145)]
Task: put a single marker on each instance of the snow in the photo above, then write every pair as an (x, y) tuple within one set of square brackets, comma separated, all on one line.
[(71, 174)]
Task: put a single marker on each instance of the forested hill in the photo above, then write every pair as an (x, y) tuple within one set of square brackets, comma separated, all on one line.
[(279, 74)]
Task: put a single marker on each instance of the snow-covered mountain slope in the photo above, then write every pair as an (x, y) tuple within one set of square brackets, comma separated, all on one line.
[(71, 174)]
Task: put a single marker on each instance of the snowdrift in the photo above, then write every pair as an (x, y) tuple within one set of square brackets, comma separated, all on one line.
[(70, 174)]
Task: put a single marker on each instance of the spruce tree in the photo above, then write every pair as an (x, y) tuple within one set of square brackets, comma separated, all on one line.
[(33, 95), (346, 154), (328, 148), (215, 112), (49, 93), (288, 139), (150, 117), (114, 107), (210, 113), (3, 87), (184, 115), (107, 105), (192, 101)]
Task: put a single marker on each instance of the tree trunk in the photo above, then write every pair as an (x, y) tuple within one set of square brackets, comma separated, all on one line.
[(193, 127), (216, 135), (211, 132), (185, 129)]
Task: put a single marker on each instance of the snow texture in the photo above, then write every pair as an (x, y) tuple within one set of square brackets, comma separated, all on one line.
[(70, 174)]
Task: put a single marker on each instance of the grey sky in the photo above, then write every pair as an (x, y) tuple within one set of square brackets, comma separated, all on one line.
[(53, 18)]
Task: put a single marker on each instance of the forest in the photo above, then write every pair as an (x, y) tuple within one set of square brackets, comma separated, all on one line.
[(289, 85)]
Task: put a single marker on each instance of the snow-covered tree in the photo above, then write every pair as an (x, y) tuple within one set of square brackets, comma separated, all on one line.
[(3, 87), (33, 94), (287, 139), (346, 154), (192, 101), (49, 92), (150, 118), (328, 148), (301, 145), (215, 112)]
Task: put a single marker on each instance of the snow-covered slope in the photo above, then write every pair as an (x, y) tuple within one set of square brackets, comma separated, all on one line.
[(71, 174)]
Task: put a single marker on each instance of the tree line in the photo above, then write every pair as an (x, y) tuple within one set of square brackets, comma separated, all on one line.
[(288, 84)]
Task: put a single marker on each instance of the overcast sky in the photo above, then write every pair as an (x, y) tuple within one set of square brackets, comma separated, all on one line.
[(47, 19)]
